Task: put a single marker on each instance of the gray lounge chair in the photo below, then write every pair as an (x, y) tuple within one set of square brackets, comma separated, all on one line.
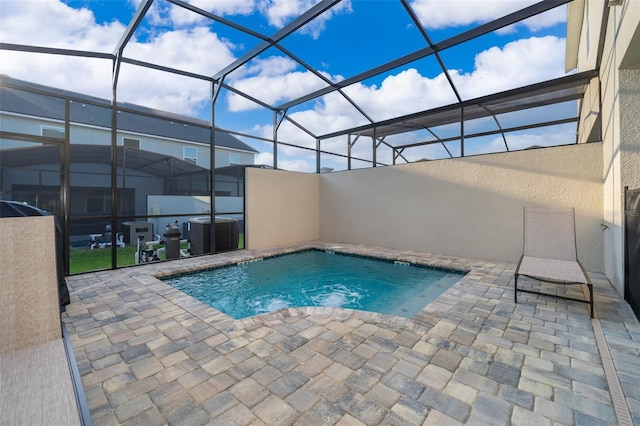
[(550, 253)]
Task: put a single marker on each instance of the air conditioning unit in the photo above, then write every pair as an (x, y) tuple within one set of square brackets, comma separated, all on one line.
[(132, 230)]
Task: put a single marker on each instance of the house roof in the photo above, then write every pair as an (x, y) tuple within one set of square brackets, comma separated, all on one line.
[(575, 16), (48, 102), (156, 164)]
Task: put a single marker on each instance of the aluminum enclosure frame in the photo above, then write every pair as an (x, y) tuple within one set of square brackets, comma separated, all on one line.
[(280, 111), (571, 87)]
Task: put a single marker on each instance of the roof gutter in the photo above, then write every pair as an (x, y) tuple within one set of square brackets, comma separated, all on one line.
[(575, 18)]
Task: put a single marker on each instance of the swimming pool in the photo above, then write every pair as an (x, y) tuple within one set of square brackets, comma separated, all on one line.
[(316, 278)]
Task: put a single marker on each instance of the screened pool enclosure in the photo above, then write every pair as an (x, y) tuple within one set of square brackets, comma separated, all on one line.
[(113, 171)]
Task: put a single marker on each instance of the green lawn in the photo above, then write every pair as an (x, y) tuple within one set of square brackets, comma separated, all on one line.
[(85, 260)]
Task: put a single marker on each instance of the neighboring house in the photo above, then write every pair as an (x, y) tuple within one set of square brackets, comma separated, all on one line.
[(142, 128), (157, 154)]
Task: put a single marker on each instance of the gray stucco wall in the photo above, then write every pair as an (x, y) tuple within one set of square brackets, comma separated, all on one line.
[(468, 207)]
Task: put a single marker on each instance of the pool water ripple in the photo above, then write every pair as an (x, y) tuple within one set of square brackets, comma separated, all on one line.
[(316, 278)]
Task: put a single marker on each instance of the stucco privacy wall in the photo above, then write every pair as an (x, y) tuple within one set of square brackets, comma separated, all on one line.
[(468, 206), (30, 314), (281, 208)]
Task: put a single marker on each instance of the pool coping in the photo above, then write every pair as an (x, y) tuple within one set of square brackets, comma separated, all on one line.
[(422, 321)]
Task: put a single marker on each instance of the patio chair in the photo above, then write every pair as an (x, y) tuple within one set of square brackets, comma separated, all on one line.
[(550, 253)]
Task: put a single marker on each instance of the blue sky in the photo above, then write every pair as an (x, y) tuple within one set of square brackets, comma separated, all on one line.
[(351, 38)]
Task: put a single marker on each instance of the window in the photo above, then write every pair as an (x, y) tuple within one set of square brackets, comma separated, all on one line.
[(190, 154), (234, 158), (53, 132), (131, 143)]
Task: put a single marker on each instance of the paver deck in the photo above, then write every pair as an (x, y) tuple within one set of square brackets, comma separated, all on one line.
[(150, 354)]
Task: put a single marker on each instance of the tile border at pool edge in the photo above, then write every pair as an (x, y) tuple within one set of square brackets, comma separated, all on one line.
[(411, 261), (218, 261)]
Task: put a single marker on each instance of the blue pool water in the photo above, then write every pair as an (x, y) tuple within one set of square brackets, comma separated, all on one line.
[(316, 278)]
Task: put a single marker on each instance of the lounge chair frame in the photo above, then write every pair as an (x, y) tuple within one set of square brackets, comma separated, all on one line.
[(571, 257)]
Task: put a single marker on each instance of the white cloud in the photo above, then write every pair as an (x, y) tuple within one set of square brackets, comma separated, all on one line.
[(169, 14), (457, 13), (518, 63), (87, 76), (556, 135), (281, 12), (547, 19), (271, 80), (181, 16), (293, 165), (54, 24), (277, 12), (149, 88), (265, 158), (401, 94), (298, 165), (274, 66), (184, 49)]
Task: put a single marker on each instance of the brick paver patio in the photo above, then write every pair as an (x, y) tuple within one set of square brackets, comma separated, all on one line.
[(150, 354)]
